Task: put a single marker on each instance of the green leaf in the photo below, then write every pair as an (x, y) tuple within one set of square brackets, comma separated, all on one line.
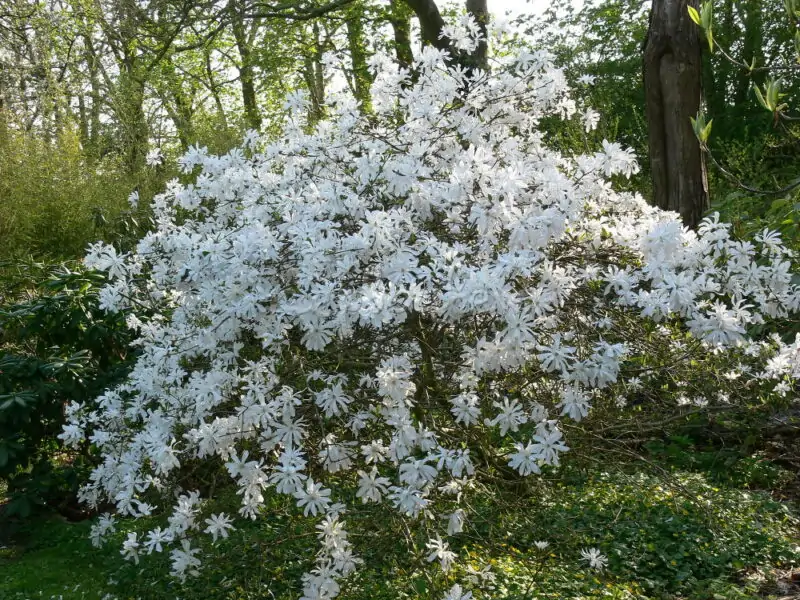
[(707, 15), (420, 585), (695, 16), (706, 131), (760, 98)]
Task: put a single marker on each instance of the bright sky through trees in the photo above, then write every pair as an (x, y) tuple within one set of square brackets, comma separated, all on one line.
[(518, 7)]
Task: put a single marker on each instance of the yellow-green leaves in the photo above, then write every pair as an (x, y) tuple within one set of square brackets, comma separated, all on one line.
[(701, 129), (771, 96), (705, 20), (791, 9), (797, 45)]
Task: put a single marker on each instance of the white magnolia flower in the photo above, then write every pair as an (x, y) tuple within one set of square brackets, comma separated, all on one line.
[(456, 593), (184, 561), (590, 120), (133, 199), (130, 548), (313, 497), (154, 157), (440, 551), (455, 522), (218, 525), (594, 558), (371, 487)]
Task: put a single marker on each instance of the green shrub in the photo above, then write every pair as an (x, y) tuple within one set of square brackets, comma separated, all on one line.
[(56, 346), (54, 202)]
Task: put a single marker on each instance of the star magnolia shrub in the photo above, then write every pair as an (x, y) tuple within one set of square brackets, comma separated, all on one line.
[(383, 308)]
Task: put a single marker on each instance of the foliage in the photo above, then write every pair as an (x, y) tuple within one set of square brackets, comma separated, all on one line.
[(56, 346), (603, 41), (599, 46), (747, 71), (53, 203)]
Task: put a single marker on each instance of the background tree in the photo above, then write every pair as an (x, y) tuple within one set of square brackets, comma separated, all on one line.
[(672, 85)]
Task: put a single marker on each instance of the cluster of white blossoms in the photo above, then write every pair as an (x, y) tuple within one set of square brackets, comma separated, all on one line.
[(385, 307)]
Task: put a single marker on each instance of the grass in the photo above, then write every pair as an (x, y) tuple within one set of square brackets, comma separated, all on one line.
[(670, 533)]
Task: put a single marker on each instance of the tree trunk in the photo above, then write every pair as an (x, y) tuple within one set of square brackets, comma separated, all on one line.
[(314, 75), (400, 18), (672, 80), (132, 119), (431, 24), (362, 80), (479, 11), (246, 69)]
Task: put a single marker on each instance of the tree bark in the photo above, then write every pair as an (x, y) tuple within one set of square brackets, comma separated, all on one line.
[(314, 74), (362, 79), (480, 12), (245, 67), (672, 80), (431, 24), (400, 18)]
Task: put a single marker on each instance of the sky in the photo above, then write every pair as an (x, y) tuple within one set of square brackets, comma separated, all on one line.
[(518, 7)]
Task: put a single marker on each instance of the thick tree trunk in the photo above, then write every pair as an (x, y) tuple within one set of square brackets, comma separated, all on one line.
[(672, 79), (431, 24), (480, 12)]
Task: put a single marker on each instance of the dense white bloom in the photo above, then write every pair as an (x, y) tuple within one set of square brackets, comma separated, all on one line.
[(393, 303)]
